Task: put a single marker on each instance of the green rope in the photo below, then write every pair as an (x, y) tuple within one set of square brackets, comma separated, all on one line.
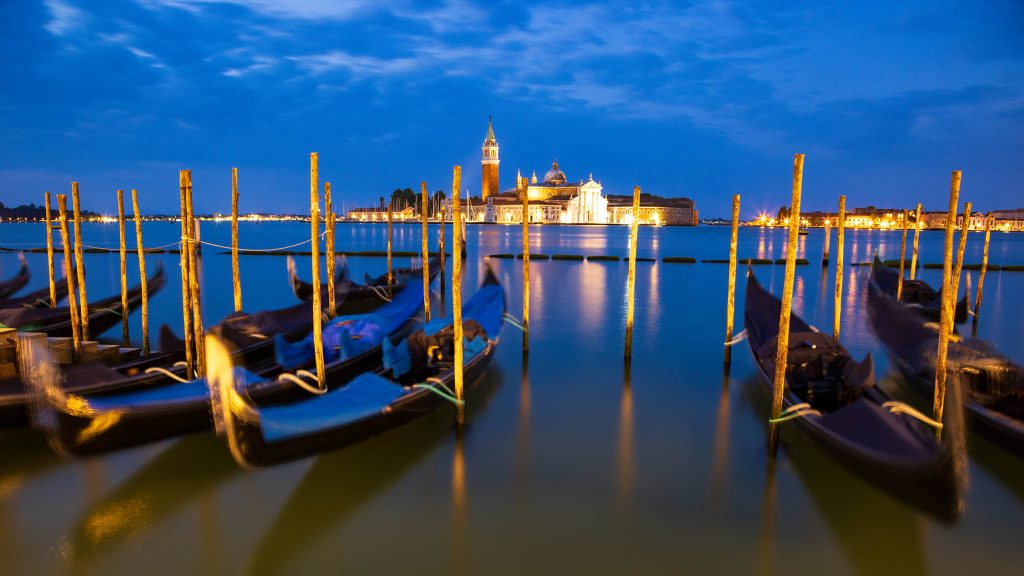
[(513, 321), (442, 393)]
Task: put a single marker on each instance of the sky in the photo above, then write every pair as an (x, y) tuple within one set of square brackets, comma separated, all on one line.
[(701, 99)]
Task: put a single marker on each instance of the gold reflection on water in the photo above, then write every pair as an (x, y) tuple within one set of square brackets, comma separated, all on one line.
[(720, 453), (625, 454), (653, 303), (801, 246), (766, 537), (117, 520), (459, 519), (592, 298), (760, 244), (799, 306), (523, 432)]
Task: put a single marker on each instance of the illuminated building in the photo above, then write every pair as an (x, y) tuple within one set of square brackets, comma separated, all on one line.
[(489, 163)]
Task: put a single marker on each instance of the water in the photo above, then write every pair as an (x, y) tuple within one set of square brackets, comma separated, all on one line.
[(562, 465)]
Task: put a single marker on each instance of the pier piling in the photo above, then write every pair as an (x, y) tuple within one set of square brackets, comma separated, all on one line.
[(83, 303), (903, 253), (49, 255), (828, 241), (236, 280), (142, 273), (440, 247), (782, 349), (193, 279), (457, 286), (984, 268), (332, 303), (917, 236), (840, 237), (524, 188), (65, 239), (948, 300), (186, 300), (314, 218), (426, 253), (125, 336), (631, 277), (730, 302), (391, 220)]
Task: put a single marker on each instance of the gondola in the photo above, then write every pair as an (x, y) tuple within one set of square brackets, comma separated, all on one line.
[(917, 295), (36, 299), (129, 412), (9, 287), (993, 385), (369, 293), (417, 377), (103, 314), (833, 400)]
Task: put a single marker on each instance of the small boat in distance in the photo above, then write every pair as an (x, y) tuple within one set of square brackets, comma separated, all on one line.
[(9, 287), (369, 294), (917, 294)]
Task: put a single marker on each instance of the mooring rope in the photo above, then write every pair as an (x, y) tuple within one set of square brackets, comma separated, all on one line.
[(165, 372), (298, 381), (737, 338), (509, 318), (432, 383), (380, 292), (897, 407), (795, 411)]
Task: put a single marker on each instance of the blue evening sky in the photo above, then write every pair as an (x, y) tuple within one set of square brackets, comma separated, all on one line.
[(702, 99)]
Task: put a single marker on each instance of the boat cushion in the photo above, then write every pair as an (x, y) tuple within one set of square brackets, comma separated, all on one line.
[(366, 395)]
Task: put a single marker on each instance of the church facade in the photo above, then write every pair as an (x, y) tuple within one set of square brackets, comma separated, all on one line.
[(556, 200)]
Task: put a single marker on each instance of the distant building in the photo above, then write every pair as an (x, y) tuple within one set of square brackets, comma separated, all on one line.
[(489, 163), (378, 215), (556, 200)]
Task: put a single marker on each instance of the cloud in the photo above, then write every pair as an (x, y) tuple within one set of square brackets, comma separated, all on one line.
[(64, 18)]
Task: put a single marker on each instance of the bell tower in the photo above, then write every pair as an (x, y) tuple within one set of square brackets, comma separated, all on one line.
[(489, 163)]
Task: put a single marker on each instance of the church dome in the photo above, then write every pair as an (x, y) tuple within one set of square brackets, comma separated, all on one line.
[(554, 176)]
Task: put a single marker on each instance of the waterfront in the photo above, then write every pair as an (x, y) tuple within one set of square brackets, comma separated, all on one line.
[(568, 462)]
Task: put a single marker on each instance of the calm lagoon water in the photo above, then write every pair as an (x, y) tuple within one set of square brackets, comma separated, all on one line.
[(568, 462)]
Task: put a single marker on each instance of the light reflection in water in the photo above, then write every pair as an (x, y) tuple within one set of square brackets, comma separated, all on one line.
[(720, 453), (459, 519), (760, 244), (592, 299), (766, 536), (523, 432), (625, 456), (653, 303)]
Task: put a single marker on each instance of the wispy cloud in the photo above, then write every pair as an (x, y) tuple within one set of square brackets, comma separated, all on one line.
[(64, 17)]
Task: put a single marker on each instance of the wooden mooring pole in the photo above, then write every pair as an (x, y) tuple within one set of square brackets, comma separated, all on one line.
[(332, 303), (948, 298), (958, 269), (984, 266), (730, 302), (65, 239), (426, 254), (49, 255), (142, 273), (903, 254), (917, 236), (186, 299), (457, 285), (840, 231), (391, 221), (524, 188), (193, 280), (828, 241), (631, 276), (314, 218), (125, 336), (236, 280), (83, 302), (440, 248), (782, 349)]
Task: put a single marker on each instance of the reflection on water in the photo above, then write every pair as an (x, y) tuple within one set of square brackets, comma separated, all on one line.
[(556, 470), (624, 461)]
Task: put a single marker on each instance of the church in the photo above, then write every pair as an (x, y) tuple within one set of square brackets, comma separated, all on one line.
[(556, 200)]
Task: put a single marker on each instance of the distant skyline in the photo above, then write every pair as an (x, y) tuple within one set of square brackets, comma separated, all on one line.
[(701, 99)]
